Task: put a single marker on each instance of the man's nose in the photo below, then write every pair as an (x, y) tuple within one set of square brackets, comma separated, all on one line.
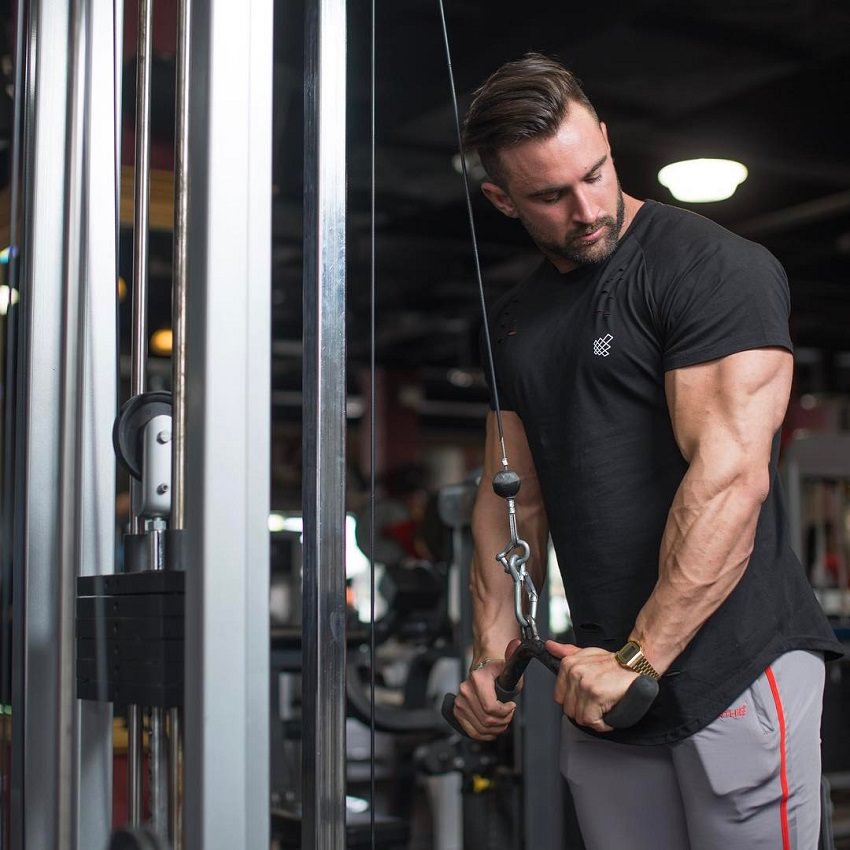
[(584, 210)]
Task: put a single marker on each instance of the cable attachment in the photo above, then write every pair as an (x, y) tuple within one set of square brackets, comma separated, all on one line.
[(515, 555)]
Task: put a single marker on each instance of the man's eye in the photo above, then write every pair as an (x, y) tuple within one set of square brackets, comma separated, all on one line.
[(550, 199), (595, 179)]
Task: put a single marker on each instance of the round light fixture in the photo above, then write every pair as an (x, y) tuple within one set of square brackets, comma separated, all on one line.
[(699, 181)]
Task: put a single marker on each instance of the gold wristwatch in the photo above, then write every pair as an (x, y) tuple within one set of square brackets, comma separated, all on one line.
[(631, 657)]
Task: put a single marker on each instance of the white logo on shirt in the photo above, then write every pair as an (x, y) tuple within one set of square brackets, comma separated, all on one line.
[(602, 346)]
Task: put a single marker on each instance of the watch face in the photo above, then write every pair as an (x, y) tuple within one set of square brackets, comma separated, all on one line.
[(628, 653)]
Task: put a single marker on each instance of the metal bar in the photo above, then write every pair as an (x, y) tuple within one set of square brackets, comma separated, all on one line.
[(70, 416), (159, 787), (175, 804), (141, 198), (134, 765), (227, 460), (117, 79), (36, 592), (178, 368), (138, 331), (98, 397), (178, 292), (10, 392), (323, 488)]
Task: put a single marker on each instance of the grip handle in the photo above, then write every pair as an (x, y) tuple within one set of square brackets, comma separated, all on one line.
[(628, 711)]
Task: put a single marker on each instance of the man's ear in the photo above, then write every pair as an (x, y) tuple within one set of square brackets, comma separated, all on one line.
[(499, 199)]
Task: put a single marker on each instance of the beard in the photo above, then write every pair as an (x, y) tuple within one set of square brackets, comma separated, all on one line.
[(571, 249)]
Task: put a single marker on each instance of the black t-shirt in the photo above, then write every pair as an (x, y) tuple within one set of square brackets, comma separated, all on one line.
[(581, 357)]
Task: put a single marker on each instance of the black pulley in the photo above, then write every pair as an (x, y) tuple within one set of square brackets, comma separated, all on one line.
[(140, 838), (130, 424)]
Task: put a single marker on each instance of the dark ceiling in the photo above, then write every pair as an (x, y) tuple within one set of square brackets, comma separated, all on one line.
[(762, 81)]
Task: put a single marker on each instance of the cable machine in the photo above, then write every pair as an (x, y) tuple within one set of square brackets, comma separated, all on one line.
[(198, 547), (62, 501)]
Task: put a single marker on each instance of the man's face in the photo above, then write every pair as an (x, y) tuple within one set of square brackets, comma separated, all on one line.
[(565, 191)]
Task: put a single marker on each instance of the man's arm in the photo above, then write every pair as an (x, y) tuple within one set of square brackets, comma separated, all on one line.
[(725, 414), (492, 590)]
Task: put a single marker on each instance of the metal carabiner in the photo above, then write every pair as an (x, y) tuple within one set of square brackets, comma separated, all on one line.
[(514, 566)]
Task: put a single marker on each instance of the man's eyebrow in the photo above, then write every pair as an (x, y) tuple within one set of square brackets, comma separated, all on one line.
[(548, 190), (597, 166)]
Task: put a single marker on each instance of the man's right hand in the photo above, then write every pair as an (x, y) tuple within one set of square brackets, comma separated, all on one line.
[(476, 708)]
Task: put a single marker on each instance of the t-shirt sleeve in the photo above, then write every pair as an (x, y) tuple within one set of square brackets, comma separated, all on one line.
[(731, 298)]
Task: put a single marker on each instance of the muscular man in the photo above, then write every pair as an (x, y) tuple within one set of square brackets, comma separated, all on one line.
[(643, 372)]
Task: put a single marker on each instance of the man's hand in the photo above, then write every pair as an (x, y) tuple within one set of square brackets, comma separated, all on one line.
[(476, 708), (590, 683)]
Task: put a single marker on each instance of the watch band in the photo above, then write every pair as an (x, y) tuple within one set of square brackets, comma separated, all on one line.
[(642, 666)]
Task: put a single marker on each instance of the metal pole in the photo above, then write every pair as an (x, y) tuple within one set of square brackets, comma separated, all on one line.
[(175, 803), (70, 415), (228, 354), (98, 398), (10, 486), (139, 334), (159, 787), (178, 292), (178, 367), (36, 591), (323, 489), (141, 199), (134, 765)]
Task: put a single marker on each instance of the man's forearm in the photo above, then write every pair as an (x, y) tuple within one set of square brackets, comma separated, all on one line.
[(705, 550), (492, 589)]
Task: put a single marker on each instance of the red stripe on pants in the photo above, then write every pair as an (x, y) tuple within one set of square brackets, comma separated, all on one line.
[(783, 760)]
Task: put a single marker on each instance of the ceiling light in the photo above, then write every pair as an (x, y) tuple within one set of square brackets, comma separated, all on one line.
[(161, 341), (702, 180)]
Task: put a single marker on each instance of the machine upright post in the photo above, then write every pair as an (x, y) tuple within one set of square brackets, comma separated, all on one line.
[(65, 499), (141, 202), (178, 369), (228, 368), (323, 486), (139, 334)]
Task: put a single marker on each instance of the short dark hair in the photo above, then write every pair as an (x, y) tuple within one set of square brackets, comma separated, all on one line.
[(524, 99)]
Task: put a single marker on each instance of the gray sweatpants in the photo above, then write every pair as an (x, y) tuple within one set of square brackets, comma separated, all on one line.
[(748, 781)]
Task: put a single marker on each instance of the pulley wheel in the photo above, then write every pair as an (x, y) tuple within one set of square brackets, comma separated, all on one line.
[(130, 424)]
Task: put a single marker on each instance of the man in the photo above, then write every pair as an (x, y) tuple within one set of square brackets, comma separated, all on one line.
[(643, 372)]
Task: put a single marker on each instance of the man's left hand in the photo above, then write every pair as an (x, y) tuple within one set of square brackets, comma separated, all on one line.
[(590, 683)]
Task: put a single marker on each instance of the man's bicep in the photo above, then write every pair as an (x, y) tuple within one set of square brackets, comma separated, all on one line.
[(738, 401)]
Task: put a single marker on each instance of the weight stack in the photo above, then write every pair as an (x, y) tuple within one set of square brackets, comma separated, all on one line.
[(130, 638)]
